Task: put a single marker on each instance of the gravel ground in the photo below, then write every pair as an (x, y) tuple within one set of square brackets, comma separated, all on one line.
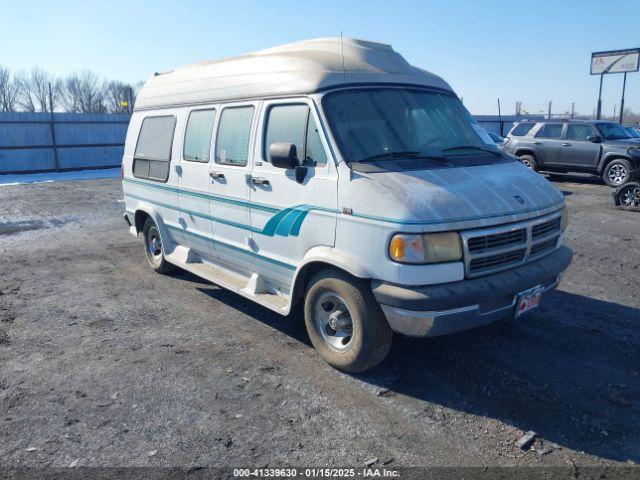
[(105, 363)]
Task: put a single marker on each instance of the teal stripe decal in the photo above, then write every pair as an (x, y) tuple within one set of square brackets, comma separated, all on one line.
[(192, 193), (279, 224), (232, 247)]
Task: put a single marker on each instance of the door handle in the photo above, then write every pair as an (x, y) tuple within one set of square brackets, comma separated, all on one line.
[(259, 181), (216, 175), (566, 144), (537, 143)]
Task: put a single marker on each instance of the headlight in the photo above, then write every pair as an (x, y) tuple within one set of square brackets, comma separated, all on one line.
[(565, 218), (425, 248)]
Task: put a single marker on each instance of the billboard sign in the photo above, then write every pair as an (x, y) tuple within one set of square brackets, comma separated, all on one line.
[(615, 61)]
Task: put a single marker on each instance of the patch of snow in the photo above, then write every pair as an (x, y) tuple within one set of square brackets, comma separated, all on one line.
[(21, 179)]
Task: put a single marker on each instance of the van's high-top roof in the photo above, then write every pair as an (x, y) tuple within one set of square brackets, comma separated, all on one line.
[(296, 68)]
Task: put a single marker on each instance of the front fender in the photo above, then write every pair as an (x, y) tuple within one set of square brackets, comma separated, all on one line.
[(336, 258)]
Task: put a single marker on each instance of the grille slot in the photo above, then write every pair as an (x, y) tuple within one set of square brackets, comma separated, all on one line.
[(497, 240), (477, 265), (544, 229), (542, 247)]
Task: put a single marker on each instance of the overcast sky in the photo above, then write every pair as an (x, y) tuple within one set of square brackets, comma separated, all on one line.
[(513, 50)]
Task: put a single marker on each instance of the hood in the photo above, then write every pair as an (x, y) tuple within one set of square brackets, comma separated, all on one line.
[(623, 143), (455, 198)]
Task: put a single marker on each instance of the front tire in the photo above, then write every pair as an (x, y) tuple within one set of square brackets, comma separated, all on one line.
[(345, 323), (617, 172), (529, 161), (153, 248)]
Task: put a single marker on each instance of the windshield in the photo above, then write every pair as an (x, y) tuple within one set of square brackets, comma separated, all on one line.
[(633, 132), (378, 122), (613, 131)]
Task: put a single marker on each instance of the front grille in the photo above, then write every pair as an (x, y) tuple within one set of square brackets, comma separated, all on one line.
[(495, 249), (546, 228)]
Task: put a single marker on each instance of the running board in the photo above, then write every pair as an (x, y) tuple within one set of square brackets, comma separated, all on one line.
[(253, 287)]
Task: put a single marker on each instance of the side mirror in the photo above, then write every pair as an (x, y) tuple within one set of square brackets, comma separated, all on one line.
[(594, 138), (283, 155)]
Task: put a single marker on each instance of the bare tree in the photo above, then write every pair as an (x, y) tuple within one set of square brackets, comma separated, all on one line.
[(115, 93), (82, 93), (9, 90), (35, 91)]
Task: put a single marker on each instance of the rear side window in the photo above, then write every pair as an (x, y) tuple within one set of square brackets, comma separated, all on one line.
[(521, 129), (153, 150), (294, 124), (550, 130), (232, 144), (579, 131), (197, 137)]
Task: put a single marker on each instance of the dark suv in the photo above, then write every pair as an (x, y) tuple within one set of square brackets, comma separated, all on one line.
[(601, 148)]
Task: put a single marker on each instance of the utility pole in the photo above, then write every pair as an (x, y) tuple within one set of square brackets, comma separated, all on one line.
[(624, 84), (599, 108), (573, 109), (549, 116), (56, 161), (500, 116)]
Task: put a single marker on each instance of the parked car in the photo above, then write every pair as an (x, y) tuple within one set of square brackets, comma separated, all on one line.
[(597, 147), (336, 175)]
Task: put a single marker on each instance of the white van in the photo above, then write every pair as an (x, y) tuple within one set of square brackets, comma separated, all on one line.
[(335, 174)]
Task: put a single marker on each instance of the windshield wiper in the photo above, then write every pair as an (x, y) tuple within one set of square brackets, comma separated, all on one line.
[(399, 154), (471, 147), (390, 155)]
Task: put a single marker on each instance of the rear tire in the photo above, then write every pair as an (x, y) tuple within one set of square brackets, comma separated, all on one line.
[(153, 248), (617, 172), (529, 161), (345, 323)]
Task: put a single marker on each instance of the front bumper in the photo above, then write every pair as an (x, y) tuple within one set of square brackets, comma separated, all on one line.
[(433, 310)]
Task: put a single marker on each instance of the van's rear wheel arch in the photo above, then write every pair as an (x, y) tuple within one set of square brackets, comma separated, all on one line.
[(139, 220), (154, 247)]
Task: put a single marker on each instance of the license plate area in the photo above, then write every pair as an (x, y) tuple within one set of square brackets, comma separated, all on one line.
[(529, 300)]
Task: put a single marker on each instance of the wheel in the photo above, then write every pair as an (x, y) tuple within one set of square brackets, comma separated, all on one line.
[(529, 161), (153, 248), (345, 323), (617, 173), (629, 196)]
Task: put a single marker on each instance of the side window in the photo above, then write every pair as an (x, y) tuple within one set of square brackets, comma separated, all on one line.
[(576, 131), (153, 150), (234, 130), (286, 123), (294, 124), (521, 129), (197, 137), (550, 130)]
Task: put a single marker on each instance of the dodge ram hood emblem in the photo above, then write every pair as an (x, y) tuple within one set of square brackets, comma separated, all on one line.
[(519, 199)]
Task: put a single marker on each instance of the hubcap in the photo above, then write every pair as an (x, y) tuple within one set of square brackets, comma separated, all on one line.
[(631, 197), (154, 244), (526, 163), (617, 174), (333, 321)]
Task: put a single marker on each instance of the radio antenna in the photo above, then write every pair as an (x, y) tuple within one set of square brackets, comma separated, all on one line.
[(346, 100)]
